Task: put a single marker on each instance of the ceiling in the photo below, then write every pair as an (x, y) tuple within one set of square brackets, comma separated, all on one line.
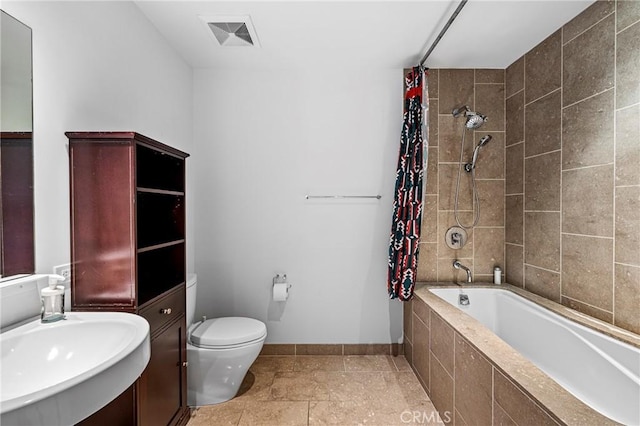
[(378, 34)]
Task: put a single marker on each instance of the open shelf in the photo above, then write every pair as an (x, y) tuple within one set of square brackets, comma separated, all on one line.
[(159, 170), (159, 191), (159, 246), (160, 270), (160, 218)]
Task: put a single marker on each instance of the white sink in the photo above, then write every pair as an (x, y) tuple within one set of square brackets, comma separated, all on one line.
[(60, 373)]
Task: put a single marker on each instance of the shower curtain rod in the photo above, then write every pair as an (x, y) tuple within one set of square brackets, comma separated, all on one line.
[(444, 30)]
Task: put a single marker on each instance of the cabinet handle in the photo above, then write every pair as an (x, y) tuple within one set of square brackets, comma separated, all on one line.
[(165, 311), (185, 363)]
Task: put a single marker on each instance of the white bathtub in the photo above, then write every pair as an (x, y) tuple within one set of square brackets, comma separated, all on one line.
[(601, 371)]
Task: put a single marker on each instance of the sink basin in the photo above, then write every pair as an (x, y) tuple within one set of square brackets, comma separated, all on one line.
[(60, 373)]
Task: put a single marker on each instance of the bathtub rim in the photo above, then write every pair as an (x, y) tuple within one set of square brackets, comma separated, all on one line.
[(593, 323), (545, 392)]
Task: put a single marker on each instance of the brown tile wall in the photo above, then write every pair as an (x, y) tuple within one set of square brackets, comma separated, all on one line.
[(572, 165), (484, 91), (565, 156)]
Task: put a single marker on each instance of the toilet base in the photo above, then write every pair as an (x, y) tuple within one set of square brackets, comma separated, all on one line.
[(215, 375)]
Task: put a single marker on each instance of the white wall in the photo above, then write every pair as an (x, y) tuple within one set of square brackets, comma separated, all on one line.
[(264, 140), (261, 141), (96, 66)]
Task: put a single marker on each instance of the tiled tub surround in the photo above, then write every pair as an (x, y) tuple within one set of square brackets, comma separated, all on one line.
[(483, 91), (572, 165), (474, 375)]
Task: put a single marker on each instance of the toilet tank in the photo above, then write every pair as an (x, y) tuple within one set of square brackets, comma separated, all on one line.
[(192, 281)]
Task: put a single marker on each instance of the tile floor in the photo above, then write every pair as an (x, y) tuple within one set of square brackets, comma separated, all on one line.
[(324, 390)]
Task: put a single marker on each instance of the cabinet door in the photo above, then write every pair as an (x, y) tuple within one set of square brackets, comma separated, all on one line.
[(102, 226), (162, 385)]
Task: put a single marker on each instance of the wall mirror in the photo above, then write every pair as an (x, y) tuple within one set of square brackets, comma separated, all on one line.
[(16, 149)]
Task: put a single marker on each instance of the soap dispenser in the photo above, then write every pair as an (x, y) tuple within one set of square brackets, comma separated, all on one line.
[(53, 300)]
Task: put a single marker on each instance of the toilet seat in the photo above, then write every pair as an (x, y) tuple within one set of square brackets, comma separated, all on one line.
[(227, 332)]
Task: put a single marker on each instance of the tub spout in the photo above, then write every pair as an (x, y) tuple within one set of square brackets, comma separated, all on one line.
[(458, 265)]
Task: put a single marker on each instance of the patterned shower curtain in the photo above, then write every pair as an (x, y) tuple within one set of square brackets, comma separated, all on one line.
[(407, 204)]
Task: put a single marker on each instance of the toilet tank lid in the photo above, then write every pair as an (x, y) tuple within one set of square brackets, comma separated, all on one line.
[(227, 331)]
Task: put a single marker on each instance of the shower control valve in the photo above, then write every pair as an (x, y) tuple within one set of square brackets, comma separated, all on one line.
[(456, 237)]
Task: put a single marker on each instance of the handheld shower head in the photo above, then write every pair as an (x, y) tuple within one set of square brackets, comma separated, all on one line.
[(483, 141)]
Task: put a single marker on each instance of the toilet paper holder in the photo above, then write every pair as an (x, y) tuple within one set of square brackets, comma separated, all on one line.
[(280, 288), (280, 279)]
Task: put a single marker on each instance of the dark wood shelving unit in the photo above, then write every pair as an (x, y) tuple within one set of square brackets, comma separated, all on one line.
[(128, 249)]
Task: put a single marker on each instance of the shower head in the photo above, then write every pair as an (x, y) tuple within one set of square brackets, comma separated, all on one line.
[(474, 120), (483, 141)]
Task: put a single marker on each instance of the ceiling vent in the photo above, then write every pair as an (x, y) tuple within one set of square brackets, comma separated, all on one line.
[(233, 31)]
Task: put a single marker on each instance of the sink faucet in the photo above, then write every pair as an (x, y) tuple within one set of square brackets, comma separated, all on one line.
[(458, 265)]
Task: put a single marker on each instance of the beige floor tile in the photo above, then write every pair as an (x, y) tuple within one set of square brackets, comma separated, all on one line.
[(300, 386), (273, 363), (319, 363), (275, 413), (364, 412), (422, 413), (226, 413), (341, 413), (256, 386), (401, 363), (369, 363), (419, 411), (316, 390), (355, 385), (403, 387)]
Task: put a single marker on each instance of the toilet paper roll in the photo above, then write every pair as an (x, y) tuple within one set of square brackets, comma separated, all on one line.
[(280, 292)]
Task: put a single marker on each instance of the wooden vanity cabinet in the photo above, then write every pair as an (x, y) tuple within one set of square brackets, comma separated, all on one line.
[(161, 396), (128, 254)]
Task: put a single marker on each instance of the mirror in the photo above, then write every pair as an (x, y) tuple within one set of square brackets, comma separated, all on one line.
[(16, 149)]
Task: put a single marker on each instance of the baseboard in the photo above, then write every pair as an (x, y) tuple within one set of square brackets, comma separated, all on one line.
[(333, 349)]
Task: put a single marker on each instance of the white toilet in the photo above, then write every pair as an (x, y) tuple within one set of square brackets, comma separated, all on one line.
[(219, 352)]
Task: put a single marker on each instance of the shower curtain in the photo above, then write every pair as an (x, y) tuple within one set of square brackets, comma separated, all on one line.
[(408, 198)]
